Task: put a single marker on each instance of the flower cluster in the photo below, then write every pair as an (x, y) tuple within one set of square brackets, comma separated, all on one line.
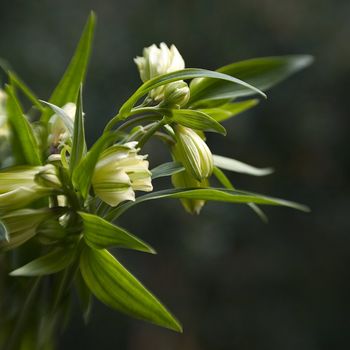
[(63, 199)]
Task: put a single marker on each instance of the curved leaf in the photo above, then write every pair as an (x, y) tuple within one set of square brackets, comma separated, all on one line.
[(167, 169), (116, 287), (48, 264), (99, 233), (263, 73), (188, 73)]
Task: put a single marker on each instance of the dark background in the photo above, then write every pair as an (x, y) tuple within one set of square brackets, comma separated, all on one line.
[(234, 282)]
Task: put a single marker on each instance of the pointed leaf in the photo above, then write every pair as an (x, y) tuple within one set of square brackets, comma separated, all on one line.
[(116, 287), (193, 119), (167, 169), (263, 73), (48, 264), (188, 73), (79, 146), (208, 194), (24, 137), (239, 167), (229, 110), (67, 89), (99, 233)]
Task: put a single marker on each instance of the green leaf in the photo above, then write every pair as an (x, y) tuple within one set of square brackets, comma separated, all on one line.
[(99, 234), (188, 73), (82, 174), (67, 89), (17, 82), (23, 133), (84, 295), (229, 110), (208, 194), (48, 264), (116, 287), (239, 167), (67, 120), (227, 184), (263, 73), (167, 169), (78, 146), (3, 232), (193, 119)]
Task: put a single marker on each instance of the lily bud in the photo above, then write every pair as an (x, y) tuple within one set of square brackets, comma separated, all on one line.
[(59, 133), (18, 185), (176, 94), (193, 153), (119, 172), (48, 177), (185, 180), (22, 224), (157, 61)]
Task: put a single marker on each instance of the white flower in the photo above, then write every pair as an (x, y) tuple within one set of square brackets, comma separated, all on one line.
[(119, 172), (157, 61), (59, 133)]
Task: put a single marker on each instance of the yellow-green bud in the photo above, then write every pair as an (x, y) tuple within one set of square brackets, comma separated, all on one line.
[(48, 177), (176, 94), (193, 153), (119, 172)]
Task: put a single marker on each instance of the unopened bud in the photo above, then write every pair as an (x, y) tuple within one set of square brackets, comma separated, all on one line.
[(193, 153), (176, 94)]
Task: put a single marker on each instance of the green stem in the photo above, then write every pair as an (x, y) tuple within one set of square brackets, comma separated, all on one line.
[(149, 133)]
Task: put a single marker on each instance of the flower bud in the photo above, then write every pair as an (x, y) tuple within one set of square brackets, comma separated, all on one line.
[(176, 94), (47, 177), (185, 180), (193, 153), (157, 61), (18, 185), (119, 172)]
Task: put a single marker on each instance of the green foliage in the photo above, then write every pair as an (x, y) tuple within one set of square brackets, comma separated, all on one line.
[(68, 205)]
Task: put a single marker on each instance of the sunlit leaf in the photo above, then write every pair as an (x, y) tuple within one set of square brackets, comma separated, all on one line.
[(67, 89), (229, 110), (23, 134), (263, 73), (99, 233), (116, 287), (48, 264), (188, 73)]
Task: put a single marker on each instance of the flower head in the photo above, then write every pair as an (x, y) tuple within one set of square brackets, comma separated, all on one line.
[(157, 61), (119, 172)]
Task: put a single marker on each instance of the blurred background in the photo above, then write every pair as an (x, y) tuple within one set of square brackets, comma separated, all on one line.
[(234, 282)]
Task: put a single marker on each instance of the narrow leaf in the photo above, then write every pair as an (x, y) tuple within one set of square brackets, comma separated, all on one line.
[(78, 146), (17, 82), (67, 89), (263, 73), (208, 194), (193, 119), (99, 233), (188, 73), (167, 169), (229, 110), (116, 287), (24, 137), (50, 263), (239, 167)]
